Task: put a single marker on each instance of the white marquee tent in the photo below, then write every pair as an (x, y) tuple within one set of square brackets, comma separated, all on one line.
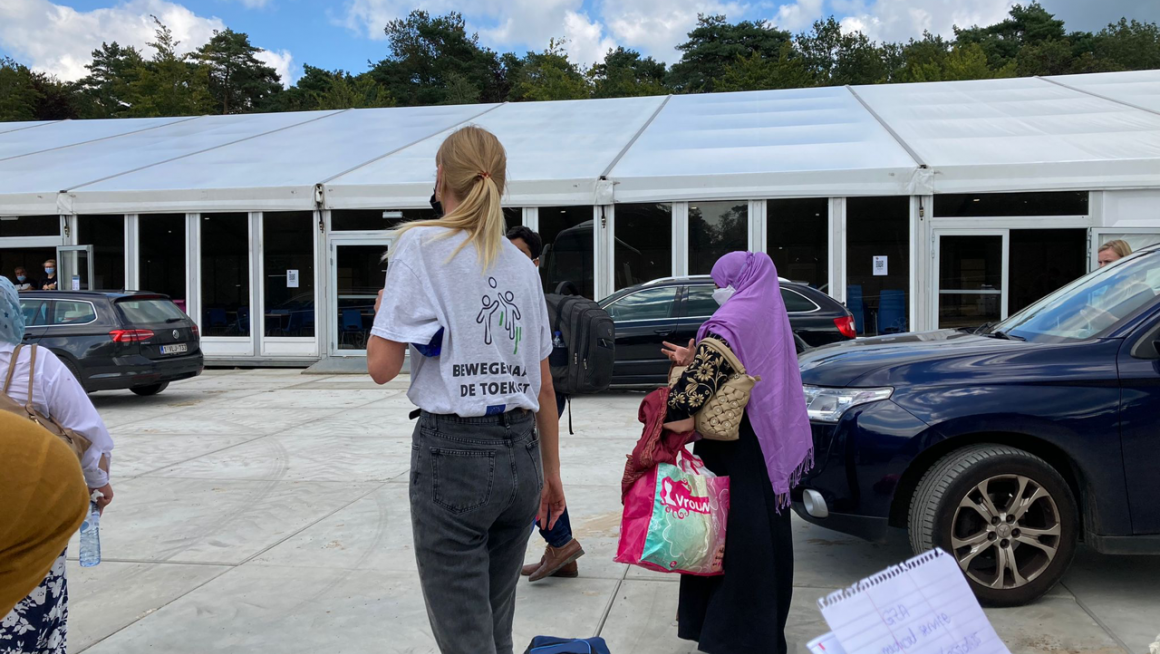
[(1084, 132)]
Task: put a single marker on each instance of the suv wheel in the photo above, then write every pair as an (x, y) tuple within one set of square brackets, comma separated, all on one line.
[(151, 389), (1007, 517)]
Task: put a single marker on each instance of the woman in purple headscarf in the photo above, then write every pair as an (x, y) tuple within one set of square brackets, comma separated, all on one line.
[(745, 610)]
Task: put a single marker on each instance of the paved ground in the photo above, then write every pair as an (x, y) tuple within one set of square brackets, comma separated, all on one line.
[(265, 511)]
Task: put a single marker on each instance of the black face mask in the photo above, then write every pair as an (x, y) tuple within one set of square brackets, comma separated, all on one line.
[(436, 206)]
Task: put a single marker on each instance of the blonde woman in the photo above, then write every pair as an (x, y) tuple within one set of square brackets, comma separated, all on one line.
[(1113, 251), (471, 305)]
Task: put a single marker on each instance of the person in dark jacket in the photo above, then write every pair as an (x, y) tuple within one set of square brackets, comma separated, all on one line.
[(563, 550)]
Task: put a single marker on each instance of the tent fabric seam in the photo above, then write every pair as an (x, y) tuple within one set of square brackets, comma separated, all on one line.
[(209, 149), (632, 141), (889, 130), (1099, 95), (407, 145), (42, 124), (97, 140)]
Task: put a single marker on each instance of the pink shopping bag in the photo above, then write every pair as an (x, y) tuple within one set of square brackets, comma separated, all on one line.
[(674, 519)]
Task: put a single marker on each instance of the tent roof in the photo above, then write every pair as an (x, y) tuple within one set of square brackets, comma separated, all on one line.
[(1070, 132)]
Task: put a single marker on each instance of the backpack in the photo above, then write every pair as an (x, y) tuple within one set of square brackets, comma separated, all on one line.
[(551, 645), (77, 443), (585, 340)]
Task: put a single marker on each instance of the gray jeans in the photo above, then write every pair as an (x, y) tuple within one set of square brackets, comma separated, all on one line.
[(475, 488)]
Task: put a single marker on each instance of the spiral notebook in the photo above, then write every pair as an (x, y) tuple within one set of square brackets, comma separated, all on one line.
[(921, 606)]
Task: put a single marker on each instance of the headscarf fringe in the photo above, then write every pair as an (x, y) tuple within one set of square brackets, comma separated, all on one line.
[(795, 479)]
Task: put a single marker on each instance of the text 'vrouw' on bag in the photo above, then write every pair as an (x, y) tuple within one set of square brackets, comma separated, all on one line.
[(674, 519), (720, 418)]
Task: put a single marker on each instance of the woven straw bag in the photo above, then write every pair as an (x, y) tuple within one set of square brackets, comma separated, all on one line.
[(720, 418)]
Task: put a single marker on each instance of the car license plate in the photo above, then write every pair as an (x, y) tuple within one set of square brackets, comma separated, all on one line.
[(175, 349)]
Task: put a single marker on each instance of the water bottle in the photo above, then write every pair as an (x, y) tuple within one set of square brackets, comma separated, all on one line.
[(558, 340), (91, 534)]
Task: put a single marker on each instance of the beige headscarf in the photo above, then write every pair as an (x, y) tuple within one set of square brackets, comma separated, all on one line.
[(44, 502)]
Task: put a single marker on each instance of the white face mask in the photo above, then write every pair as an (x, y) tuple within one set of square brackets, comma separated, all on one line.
[(723, 294)]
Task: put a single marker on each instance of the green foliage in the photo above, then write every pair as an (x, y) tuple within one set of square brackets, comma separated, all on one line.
[(624, 73), (435, 61), (548, 75), (238, 81), (105, 89), (757, 73), (169, 84), (18, 95), (715, 44), (836, 58)]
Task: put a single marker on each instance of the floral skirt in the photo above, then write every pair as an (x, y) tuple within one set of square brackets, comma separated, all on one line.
[(38, 623)]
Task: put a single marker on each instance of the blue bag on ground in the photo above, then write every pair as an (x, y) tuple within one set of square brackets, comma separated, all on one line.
[(551, 645)]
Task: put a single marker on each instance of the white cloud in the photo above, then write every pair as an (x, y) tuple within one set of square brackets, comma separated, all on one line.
[(654, 27), (585, 40), (60, 40), (901, 20), (799, 15), (283, 62)]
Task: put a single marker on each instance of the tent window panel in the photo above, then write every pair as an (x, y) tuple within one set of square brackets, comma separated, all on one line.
[(288, 271), (568, 254), (373, 220), (1041, 261), (798, 239), (513, 216), (161, 248), (29, 226), (644, 243), (975, 205), (716, 229), (225, 274), (878, 227), (107, 236)]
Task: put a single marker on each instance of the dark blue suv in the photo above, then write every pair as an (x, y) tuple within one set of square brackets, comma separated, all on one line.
[(1005, 445)]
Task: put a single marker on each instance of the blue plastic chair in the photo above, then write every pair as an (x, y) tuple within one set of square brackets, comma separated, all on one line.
[(352, 323), (856, 306), (217, 319), (892, 313)]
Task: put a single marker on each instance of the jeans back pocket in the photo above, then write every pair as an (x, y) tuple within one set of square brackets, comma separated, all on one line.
[(462, 479)]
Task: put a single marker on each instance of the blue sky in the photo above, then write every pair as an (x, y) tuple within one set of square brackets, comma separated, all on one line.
[(57, 35)]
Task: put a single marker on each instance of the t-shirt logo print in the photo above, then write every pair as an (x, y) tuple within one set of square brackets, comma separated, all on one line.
[(504, 305)]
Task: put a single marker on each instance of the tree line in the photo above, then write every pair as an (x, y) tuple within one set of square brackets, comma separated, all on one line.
[(434, 60)]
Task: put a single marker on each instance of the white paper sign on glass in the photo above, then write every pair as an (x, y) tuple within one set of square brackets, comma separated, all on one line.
[(76, 282), (922, 606), (291, 279), (880, 266)]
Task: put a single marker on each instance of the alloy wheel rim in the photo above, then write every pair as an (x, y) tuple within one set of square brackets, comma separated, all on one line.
[(1006, 531)]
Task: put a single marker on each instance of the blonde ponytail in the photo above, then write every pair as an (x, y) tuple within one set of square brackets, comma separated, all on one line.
[(475, 172)]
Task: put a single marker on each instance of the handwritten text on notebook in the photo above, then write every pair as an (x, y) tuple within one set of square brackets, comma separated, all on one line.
[(923, 606)]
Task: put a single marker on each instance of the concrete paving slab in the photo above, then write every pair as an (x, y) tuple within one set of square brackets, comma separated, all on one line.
[(296, 398), (1122, 592), (387, 419), (1053, 624), (274, 609), (105, 599), (302, 458), (595, 515), (211, 420), (138, 454), (589, 461), (212, 521)]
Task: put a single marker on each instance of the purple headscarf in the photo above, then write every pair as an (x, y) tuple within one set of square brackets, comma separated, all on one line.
[(756, 325)]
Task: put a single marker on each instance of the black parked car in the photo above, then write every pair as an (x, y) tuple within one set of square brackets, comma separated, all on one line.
[(1003, 446), (673, 309), (114, 340)]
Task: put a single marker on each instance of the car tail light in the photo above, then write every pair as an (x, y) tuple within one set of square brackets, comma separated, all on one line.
[(196, 331), (131, 335), (845, 325)]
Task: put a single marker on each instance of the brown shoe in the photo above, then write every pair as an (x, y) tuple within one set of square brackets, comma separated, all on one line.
[(556, 560), (530, 569)]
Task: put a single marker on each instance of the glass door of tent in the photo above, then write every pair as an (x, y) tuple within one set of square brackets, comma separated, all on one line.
[(358, 271), (74, 268), (972, 269)]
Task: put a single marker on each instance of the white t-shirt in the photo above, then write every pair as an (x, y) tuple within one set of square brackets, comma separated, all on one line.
[(495, 324)]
